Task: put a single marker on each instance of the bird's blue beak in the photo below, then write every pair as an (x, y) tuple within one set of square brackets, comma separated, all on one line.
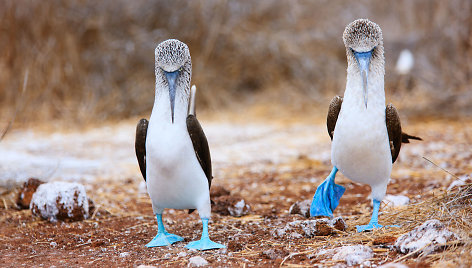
[(363, 61), (171, 78)]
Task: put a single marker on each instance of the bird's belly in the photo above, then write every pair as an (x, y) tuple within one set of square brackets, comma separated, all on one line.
[(361, 151), (175, 178)]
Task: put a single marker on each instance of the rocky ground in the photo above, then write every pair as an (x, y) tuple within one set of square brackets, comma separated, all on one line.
[(268, 165)]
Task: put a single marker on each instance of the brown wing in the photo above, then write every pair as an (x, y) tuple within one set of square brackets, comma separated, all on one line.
[(394, 129), (395, 135), (140, 145), (200, 145), (333, 113)]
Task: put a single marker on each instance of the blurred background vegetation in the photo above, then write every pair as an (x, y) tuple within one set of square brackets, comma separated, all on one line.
[(93, 60)]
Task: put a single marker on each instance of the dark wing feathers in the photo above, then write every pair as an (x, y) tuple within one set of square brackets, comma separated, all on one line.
[(394, 129), (333, 113), (392, 120), (395, 135), (140, 145), (200, 145)]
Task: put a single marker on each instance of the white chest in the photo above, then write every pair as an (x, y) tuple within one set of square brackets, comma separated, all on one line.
[(175, 178), (360, 147)]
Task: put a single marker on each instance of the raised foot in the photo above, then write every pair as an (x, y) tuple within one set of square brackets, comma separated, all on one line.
[(327, 196), (204, 244), (372, 226), (164, 239)]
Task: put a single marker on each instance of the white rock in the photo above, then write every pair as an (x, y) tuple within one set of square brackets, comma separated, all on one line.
[(428, 237), (393, 265), (124, 254), (146, 266), (60, 200), (301, 208), (142, 187), (182, 254), (353, 255), (197, 261), (238, 209), (397, 200), (310, 228), (463, 180)]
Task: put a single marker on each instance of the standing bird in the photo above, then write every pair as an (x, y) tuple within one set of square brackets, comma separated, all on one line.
[(366, 136), (172, 149)]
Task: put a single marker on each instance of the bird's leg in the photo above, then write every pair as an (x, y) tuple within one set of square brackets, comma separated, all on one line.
[(204, 243), (163, 238), (374, 220), (327, 196)]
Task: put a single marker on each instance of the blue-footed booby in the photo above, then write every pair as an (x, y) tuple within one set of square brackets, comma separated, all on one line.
[(172, 149), (366, 135)]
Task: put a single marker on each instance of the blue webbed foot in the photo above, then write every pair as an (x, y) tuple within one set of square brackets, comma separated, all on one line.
[(327, 196), (369, 227), (164, 239), (204, 243), (373, 224)]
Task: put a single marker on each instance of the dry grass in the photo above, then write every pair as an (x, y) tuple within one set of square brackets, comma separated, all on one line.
[(92, 61)]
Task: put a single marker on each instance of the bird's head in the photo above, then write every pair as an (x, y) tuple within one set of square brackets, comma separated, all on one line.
[(364, 45), (173, 68)]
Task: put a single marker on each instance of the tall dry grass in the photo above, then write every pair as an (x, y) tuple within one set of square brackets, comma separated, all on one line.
[(93, 60)]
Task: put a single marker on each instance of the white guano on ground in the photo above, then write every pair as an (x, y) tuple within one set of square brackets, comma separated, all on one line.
[(48, 195)]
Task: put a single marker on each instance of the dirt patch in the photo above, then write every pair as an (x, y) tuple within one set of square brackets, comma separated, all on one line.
[(116, 235)]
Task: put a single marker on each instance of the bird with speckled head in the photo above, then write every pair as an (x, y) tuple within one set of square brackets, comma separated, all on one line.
[(366, 134)]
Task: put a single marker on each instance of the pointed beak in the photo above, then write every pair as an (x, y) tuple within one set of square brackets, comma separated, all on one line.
[(363, 61), (171, 78)]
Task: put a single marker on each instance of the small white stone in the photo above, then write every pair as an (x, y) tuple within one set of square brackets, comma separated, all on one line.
[(353, 255), (142, 188), (396, 200), (197, 261), (182, 254), (393, 265), (463, 180), (124, 254)]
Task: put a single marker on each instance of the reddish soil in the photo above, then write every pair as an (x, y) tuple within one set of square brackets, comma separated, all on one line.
[(117, 235)]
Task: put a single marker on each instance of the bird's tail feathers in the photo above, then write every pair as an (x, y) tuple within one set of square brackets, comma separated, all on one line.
[(191, 108), (406, 138)]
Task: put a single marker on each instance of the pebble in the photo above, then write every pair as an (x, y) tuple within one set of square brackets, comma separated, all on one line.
[(396, 200), (352, 255), (301, 208), (197, 261), (230, 205), (311, 228), (393, 265), (429, 237)]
